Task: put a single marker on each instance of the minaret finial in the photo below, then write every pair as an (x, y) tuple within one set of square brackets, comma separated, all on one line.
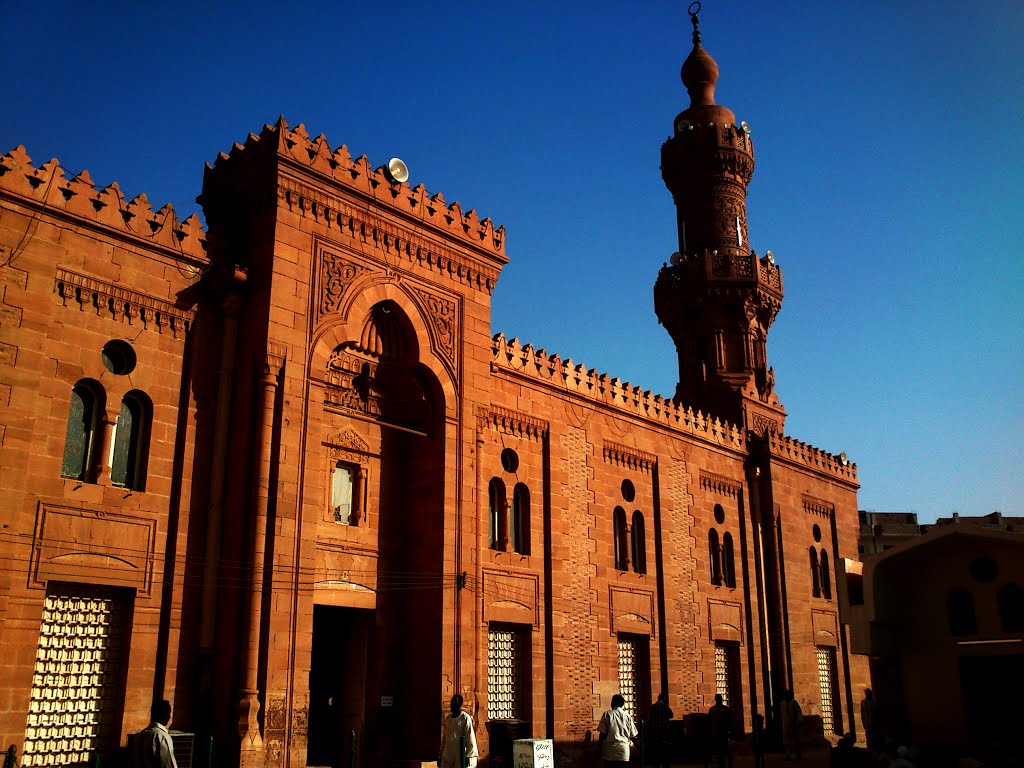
[(693, 10)]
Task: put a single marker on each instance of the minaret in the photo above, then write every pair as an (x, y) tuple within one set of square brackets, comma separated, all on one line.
[(718, 298)]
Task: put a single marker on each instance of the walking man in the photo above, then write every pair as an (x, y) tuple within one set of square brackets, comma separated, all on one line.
[(617, 731)]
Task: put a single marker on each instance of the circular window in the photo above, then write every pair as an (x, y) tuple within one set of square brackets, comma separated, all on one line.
[(509, 460), (816, 531), (984, 569), (118, 357), (628, 491), (719, 514)]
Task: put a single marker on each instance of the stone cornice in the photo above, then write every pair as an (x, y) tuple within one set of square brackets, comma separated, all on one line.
[(113, 301), (361, 224), (549, 370), (627, 456), (720, 484), (819, 507), (47, 188), (514, 423)]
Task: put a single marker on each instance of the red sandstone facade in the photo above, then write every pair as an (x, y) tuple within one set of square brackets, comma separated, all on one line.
[(280, 472)]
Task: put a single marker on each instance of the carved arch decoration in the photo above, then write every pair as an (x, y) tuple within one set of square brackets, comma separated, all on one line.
[(340, 280), (342, 330)]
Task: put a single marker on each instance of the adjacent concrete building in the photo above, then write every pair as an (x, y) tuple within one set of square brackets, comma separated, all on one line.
[(281, 473), (940, 612)]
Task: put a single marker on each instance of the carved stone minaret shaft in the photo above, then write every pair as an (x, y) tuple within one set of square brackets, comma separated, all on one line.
[(718, 299)]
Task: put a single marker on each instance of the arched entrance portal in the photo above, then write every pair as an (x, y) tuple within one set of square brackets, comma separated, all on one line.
[(394, 652)]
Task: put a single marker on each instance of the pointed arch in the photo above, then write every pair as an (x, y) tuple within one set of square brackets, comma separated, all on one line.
[(346, 326)]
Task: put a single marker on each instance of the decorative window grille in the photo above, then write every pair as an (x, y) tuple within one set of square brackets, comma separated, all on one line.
[(341, 496), (722, 673), (74, 705), (628, 673), (827, 681), (504, 671)]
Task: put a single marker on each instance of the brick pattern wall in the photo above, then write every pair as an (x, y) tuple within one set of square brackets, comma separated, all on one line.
[(577, 630), (684, 652)]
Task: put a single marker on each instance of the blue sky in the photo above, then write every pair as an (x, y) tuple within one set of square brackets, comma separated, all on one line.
[(888, 180)]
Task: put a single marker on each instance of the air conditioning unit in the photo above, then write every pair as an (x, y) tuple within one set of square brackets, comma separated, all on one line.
[(184, 748)]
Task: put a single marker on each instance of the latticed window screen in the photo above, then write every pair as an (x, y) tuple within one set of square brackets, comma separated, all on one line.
[(826, 679), (74, 704), (503, 673), (722, 673), (628, 672)]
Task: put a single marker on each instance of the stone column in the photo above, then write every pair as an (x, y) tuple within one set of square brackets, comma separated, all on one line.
[(249, 703)]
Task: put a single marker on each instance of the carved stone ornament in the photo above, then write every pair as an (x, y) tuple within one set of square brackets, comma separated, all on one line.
[(346, 445), (336, 275), (763, 424), (442, 313)]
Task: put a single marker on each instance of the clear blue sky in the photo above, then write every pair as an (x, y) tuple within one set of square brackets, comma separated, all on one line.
[(888, 182)]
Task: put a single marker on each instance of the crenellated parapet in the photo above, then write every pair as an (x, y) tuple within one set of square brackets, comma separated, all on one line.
[(797, 452), (294, 146), (565, 375), (48, 188)]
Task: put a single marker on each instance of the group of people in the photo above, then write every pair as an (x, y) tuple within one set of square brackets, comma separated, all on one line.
[(617, 733)]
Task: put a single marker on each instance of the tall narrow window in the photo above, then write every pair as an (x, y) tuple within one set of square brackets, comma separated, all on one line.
[(621, 539), (342, 493), (638, 542), (815, 573), (521, 519), (130, 446), (1011, 607), (960, 607), (728, 562), (715, 555), (87, 401), (497, 514), (826, 578)]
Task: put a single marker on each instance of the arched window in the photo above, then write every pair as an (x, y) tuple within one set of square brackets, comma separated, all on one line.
[(521, 519), (87, 402), (728, 562), (131, 441), (1011, 607), (496, 506), (826, 578), (638, 542), (715, 555), (960, 606), (815, 573), (621, 539)]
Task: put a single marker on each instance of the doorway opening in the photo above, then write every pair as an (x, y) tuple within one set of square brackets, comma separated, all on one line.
[(337, 686)]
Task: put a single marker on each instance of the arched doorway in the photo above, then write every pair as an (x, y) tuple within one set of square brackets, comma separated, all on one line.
[(394, 652)]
